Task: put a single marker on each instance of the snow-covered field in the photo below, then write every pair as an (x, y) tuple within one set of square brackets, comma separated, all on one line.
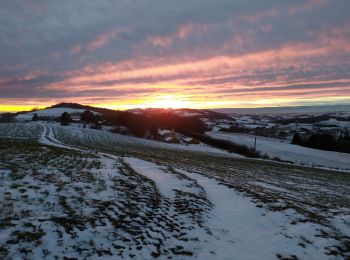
[(88, 194), (289, 152), (81, 136), (49, 112)]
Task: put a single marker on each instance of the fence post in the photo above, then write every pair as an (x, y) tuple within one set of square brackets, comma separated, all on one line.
[(254, 146)]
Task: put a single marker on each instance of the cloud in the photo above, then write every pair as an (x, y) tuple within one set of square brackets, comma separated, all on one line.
[(78, 49)]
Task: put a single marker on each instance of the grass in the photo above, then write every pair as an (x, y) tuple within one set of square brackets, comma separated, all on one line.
[(20, 236)]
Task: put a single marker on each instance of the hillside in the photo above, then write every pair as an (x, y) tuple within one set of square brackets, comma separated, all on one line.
[(230, 133), (287, 110), (288, 152), (83, 193)]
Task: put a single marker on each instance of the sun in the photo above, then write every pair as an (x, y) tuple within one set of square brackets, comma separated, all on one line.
[(168, 102)]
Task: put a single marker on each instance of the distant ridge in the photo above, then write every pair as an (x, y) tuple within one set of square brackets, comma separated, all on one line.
[(69, 105), (203, 113), (218, 112), (287, 110), (85, 107)]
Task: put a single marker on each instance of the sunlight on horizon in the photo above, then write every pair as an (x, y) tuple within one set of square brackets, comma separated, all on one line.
[(177, 101), (169, 102)]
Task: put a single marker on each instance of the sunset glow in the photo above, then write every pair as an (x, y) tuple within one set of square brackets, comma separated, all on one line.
[(168, 102), (131, 55)]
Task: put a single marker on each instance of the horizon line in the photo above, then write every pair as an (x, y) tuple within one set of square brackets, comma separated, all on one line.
[(29, 108)]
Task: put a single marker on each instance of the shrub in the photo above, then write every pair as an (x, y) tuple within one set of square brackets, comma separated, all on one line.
[(65, 119)]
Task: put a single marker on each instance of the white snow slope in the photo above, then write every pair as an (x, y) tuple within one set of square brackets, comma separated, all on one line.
[(289, 152), (75, 133), (49, 112)]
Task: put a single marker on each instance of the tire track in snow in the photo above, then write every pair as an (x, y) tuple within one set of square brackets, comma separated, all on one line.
[(48, 137), (239, 228), (232, 225), (183, 203), (168, 225)]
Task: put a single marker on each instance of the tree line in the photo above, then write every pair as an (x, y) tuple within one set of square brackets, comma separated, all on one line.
[(141, 125), (323, 141)]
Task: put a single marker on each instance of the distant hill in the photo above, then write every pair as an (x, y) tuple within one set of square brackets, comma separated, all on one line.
[(84, 107), (50, 113), (183, 112), (286, 110)]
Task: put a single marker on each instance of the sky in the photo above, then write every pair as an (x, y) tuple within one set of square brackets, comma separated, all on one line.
[(124, 54)]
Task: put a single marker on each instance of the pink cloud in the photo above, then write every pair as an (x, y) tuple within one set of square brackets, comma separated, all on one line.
[(102, 39)]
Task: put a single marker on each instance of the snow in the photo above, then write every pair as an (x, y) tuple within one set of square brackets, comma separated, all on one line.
[(47, 137), (166, 182), (333, 121), (231, 225), (168, 139), (289, 152), (342, 222), (136, 111), (235, 226), (50, 112), (269, 186), (20, 130), (74, 132), (164, 131), (186, 113), (188, 139), (252, 123), (240, 230)]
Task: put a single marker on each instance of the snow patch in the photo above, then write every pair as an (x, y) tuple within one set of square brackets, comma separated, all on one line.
[(50, 112), (289, 152)]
